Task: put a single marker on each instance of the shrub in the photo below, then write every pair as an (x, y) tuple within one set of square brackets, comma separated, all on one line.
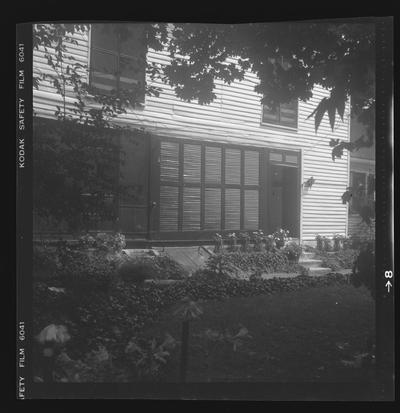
[(230, 264), (168, 268), (83, 272), (137, 271), (45, 261), (364, 268), (341, 259), (108, 243)]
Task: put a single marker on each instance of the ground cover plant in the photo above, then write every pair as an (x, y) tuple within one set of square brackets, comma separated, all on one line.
[(311, 334), (108, 315)]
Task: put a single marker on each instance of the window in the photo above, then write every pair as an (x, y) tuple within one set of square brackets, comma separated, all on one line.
[(284, 115), (117, 60), (208, 187), (363, 190)]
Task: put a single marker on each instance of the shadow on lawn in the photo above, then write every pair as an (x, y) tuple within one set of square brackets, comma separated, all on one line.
[(317, 334)]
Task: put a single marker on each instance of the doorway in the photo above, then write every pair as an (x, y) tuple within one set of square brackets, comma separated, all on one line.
[(283, 199)]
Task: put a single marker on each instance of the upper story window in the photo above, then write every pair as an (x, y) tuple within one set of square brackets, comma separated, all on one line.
[(363, 190), (284, 115), (117, 60)]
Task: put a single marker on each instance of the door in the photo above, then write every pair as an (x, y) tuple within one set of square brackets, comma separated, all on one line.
[(283, 195)]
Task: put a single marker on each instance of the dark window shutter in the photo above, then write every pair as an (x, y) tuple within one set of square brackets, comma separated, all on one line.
[(191, 209), (251, 209), (251, 167), (191, 163), (232, 209), (232, 166), (169, 162), (213, 165), (212, 209), (169, 208)]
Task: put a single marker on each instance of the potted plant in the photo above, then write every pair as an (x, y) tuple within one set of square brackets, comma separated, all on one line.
[(293, 251), (320, 244), (326, 244), (232, 242), (280, 237), (338, 242), (269, 242), (218, 244), (258, 237), (244, 238)]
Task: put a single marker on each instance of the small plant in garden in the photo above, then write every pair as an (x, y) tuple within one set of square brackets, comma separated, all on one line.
[(269, 242), (293, 251), (364, 268), (187, 311), (232, 242), (327, 246), (280, 237), (112, 243), (219, 243), (82, 272), (51, 339), (338, 241), (45, 260), (221, 264), (320, 244), (258, 239), (304, 271), (149, 356), (244, 239)]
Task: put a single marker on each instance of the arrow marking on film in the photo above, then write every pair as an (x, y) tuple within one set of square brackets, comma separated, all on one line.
[(388, 285)]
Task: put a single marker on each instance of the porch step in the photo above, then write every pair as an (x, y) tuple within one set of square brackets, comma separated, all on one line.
[(307, 255), (315, 271), (309, 262), (140, 252)]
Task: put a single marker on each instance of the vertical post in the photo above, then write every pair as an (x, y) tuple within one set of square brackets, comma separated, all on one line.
[(149, 188), (184, 350)]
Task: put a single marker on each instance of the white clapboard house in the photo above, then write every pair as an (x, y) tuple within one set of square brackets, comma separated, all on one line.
[(225, 167)]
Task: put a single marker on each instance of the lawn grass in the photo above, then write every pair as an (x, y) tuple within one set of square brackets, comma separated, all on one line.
[(296, 336)]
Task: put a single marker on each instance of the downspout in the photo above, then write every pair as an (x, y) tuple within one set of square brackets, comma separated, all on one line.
[(149, 202)]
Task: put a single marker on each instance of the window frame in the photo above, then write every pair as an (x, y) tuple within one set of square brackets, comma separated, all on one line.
[(365, 192), (203, 185), (278, 123), (117, 54)]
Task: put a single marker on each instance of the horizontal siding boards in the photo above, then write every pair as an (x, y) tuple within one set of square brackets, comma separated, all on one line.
[(234, 118), (232, 166), (251, 203), (191, 209), (168, 208), (232, 209), (169, 161), (212, 209)]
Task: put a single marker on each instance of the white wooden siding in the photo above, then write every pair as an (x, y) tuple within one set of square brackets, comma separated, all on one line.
[(235, 117)]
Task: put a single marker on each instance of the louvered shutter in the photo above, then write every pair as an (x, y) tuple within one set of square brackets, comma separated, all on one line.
[(212, 209), (168, 208), (251, 167), (191, 163), (191, 209), (232, 209), (251, 209), (169, 162), (232, 166), (213, 165)]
